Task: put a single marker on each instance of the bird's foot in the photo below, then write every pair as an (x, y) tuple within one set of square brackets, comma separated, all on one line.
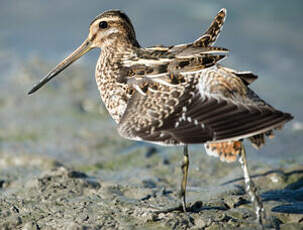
[(167, 210)]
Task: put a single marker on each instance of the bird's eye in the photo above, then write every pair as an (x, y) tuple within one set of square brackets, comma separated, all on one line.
[(103, 25)]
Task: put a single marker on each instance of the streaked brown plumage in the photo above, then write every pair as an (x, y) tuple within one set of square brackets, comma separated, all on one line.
[(176, 95)]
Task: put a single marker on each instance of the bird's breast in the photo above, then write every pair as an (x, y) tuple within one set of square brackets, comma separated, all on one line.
[(113, 94)]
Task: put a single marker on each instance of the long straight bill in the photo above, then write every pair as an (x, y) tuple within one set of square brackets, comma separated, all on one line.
[(81, 50)]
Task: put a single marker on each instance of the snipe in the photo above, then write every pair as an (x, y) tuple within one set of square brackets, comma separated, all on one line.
[(177, 95)]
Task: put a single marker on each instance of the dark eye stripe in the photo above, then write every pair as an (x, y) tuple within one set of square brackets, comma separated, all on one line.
[(103, 25)]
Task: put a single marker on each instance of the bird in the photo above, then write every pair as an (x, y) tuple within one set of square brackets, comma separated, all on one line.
[(177, 95)]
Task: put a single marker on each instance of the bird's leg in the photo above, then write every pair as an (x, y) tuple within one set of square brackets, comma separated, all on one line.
[(250, 187), (184, 168)]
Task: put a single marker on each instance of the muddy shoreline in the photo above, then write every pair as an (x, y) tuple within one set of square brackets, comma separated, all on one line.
[(62, 198)]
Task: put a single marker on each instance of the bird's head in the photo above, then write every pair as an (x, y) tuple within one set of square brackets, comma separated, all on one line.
[(111, 29)]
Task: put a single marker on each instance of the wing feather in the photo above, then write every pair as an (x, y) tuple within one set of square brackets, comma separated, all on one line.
[(203, 110), (213, 32)]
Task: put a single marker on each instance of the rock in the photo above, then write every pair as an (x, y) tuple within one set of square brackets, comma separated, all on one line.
[(11, 223), (74, 226), (149, 183), (4, 184), (150, 152), (200, 223), (291, 226), (30, 226)]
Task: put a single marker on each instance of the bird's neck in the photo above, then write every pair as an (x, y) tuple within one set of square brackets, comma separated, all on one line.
[(114, 93)]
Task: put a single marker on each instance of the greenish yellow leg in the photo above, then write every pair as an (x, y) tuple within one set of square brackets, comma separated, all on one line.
[(251, 189), (184, 168)]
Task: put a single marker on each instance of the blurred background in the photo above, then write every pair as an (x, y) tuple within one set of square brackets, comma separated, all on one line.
[(66, 121)]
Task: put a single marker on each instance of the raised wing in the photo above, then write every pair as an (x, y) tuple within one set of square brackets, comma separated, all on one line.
[(158, 61), (207, 39), (213, 105), (212, 33), (145, 68)]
